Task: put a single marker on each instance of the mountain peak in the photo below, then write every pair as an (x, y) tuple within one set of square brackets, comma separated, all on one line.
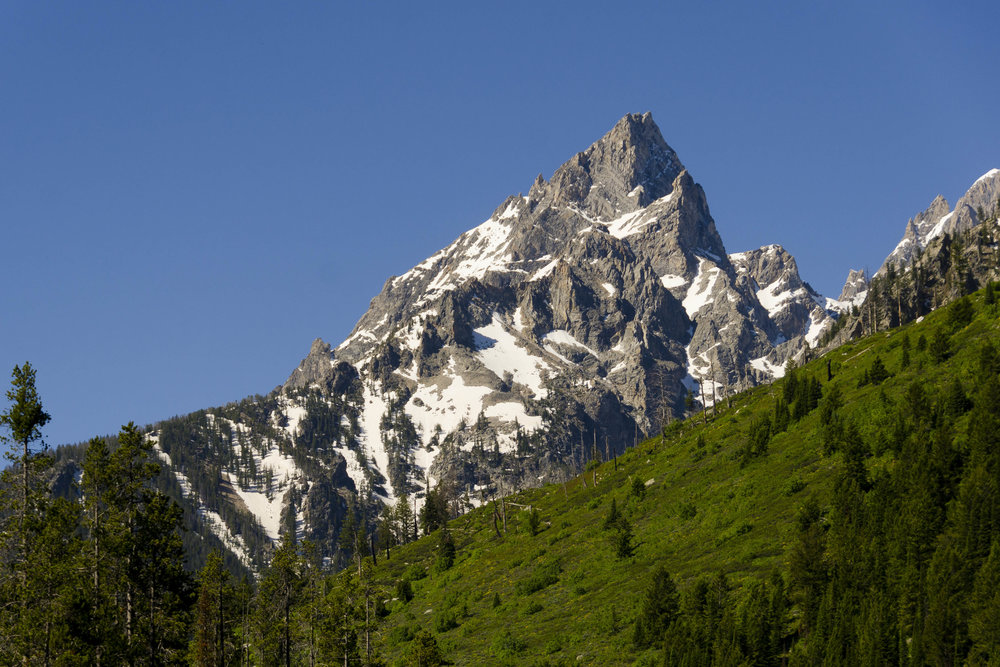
[(628, 168)]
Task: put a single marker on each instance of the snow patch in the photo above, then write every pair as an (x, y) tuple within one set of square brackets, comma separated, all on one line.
[(512, 411), (433, 404), (544, 271), (267, 510), (671, 281), (939, 228), (563, 337), (763, 365), (503, 354), (700, 292)]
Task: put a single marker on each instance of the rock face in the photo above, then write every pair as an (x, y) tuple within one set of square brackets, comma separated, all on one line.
[(855, 287), (316, 368), (569, 323), (793, 305)]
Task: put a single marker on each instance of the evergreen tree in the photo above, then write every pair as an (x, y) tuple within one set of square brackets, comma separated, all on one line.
[(534, 521), (24, 503), (446, 549), (277, 595), (807, 565), (424, 651), (338, 623), (984, 608), (406, 529), (939, 347), (613, 516), (434, 512), (659, 608), (215, 638), (621, 538), (146, 578)]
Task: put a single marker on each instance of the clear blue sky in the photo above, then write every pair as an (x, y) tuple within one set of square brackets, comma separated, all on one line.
[(190, 192)]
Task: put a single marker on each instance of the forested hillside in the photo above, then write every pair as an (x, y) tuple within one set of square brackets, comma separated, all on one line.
[(847, 514)]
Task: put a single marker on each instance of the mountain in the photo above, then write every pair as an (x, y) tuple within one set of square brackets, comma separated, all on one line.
[(606, 292), (599, 307)]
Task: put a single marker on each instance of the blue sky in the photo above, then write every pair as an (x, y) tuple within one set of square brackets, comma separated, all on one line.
[(190, 192)]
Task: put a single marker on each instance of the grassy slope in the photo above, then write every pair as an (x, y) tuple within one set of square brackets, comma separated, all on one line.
[(742, 520)]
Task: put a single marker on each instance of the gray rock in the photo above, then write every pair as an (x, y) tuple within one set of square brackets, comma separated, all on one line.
[(316, 369)]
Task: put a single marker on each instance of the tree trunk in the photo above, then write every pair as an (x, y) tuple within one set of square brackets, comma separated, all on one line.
[(368, 644), (288, 639)]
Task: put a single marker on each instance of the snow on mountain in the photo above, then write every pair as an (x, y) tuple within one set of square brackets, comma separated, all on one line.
[(792, 304), (213, 520)]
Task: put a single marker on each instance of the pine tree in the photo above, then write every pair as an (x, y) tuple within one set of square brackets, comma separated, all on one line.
[(984, 608), (621, 538), (659, 608), (23, 513), (277, 595), (613, 516), (406, 529), (215, 639), (446, 549), (424, 651)]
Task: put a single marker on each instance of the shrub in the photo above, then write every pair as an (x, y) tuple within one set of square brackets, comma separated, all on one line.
[(534, 521), (404, 591), (542, 577), (793, 486), (506, 645), (399, 634), (638, 488), (445, 621)]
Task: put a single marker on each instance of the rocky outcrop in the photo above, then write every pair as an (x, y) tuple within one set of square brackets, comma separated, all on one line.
[(316, 368), (855, 287)]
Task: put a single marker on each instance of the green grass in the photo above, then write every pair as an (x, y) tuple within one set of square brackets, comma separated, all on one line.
[(565, 597)]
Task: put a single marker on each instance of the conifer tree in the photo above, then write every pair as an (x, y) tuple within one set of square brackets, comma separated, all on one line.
[(277, 595), (23, 505), (984, 620), (215, 640), (659, 608)]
